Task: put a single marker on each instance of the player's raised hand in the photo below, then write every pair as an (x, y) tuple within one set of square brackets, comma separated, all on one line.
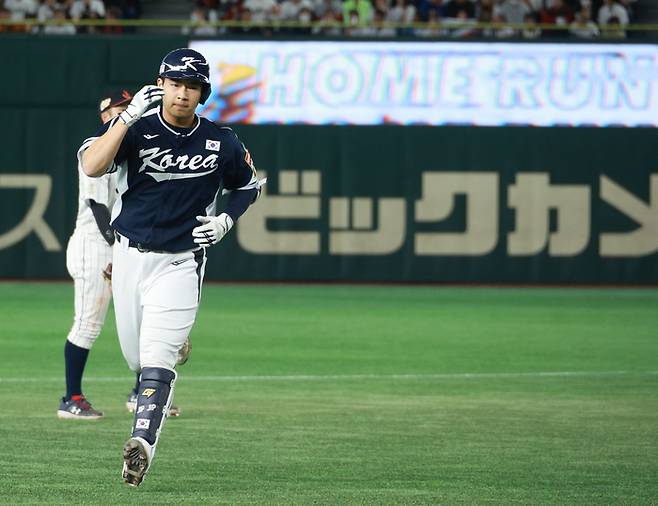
[(212, 229), (140, 103)]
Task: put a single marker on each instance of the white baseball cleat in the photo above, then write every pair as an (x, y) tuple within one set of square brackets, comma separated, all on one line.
[(136, 460)]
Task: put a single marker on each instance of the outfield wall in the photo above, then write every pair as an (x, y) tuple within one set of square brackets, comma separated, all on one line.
[(366, 203)]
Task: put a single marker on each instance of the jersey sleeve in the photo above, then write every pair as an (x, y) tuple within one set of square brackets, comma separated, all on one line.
[(122, 153), (97, 189), (240, 172)]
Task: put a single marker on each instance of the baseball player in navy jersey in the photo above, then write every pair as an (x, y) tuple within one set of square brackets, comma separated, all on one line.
[(89, 262), (171, 165)]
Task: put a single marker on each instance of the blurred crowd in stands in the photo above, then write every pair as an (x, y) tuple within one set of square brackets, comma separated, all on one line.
[(584, 19), (62, 12)]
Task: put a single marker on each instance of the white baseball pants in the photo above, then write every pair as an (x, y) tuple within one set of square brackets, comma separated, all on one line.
[(156, 297), (87, 256)]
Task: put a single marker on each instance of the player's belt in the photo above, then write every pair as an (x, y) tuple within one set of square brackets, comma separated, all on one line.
[(138, 246)]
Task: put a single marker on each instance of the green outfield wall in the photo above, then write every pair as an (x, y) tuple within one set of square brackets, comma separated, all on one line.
[(381, 203)]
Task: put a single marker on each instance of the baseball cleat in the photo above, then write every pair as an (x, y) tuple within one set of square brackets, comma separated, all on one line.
[(184, 352), (136, 460), (131, 405), (78, 408)]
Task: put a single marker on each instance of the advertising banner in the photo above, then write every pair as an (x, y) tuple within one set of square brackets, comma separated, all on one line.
[(437, 83)]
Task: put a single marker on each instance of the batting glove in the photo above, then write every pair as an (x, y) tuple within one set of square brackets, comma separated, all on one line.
[(212, 230), (141, 102)]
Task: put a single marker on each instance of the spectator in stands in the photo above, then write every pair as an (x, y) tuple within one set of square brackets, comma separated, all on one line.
[(513, 11), (329, 24), (61, 25), (87, 9), (433, 27), (611, 9), (357, 12), (377, 28), (614, 29), (502, 33), (305, 17), (201, 19), (583, 27), (380, 24), (453, 7), (531, 30), (537, 5), (122, 9), (485, 14), (261, 11), (353, 24), (5, 14), (462, 21), (21, 9), (384, 6), (246, 17), (559, 14), (113, 13), (629, 5), (230, 10), (402, 13), (46, 10), (321, 7), (129, 9), (425, 7), (290, 9)]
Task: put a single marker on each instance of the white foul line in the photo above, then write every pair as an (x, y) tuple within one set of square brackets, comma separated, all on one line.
[(339, 377)]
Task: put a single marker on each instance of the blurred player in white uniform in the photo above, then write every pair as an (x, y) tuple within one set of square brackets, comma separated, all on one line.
[(89, 262)]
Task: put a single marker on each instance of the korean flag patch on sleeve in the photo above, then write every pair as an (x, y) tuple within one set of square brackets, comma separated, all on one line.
[(212, 145)]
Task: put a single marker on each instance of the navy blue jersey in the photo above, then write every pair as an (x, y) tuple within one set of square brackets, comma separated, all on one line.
[(167, 176)]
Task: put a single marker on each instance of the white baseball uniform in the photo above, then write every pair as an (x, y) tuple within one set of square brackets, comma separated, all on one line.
[(87, 256)]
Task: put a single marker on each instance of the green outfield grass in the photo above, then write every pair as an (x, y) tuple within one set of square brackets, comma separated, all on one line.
[(339, 395)]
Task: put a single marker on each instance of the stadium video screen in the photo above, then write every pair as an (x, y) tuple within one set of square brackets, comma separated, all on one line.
[(437, 83)]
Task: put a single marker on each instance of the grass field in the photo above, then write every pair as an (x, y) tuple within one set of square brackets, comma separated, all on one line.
[(352, 395)]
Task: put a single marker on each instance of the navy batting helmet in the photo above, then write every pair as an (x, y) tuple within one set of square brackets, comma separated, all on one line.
[(189, 64)]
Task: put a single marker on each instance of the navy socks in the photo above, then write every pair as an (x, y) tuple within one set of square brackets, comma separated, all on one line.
[(75, 359)]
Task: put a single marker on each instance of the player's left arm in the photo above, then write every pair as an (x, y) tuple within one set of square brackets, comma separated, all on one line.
[(242, 196), (102, 216), (242, 185)]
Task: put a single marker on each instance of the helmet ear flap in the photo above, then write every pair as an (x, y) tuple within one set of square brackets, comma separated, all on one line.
[(205, 93)]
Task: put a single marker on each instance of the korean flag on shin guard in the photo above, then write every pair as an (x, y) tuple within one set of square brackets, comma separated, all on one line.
[(156, 389)]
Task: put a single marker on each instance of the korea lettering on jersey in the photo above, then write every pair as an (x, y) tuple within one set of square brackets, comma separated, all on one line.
[(167, 176)]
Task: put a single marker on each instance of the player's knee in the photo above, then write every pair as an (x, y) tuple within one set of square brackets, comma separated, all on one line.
[(84, 334), (164, 357)]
